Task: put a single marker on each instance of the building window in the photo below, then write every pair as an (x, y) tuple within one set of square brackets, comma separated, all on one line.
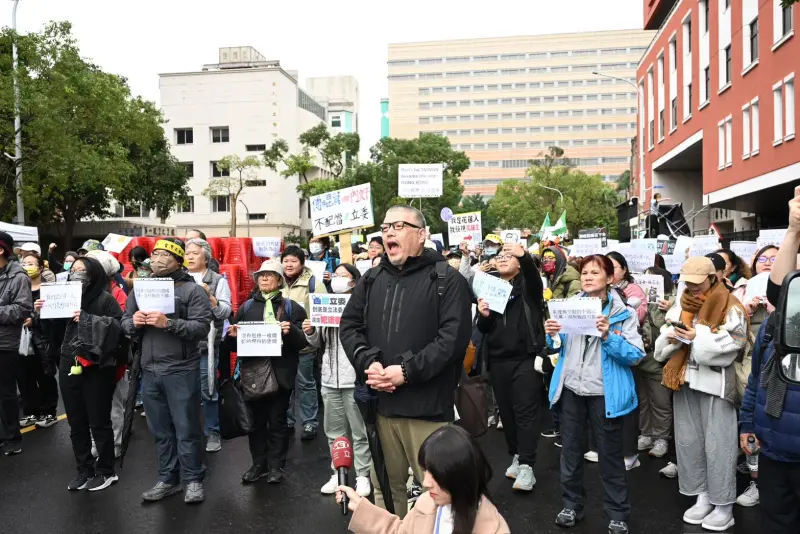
[(727, 4), (688, 39), (746, 131), (787, 24), (788, 90), (336, 121), (255, 148), (189, 168), (220, 204), (132, 211), (257, 216), (661, 125), (218, 173), (727, 64), (754, 40), (704, 10), (777, 118), (688, 106), (187, 206), (673, 114), (652, 133), (755, 127), (220, 134), (721, 144), (729, 141), (255, 183), (184, 136), (707, 85)]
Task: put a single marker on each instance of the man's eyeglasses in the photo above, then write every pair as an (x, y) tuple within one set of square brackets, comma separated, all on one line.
[(160, 254), (375, 247), (397, 226), (764, 259), (503, 257)]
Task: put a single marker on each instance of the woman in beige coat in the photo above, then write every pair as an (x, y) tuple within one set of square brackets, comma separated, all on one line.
[(456, 501)]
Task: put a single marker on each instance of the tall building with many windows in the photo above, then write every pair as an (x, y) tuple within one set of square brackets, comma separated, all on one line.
[(717, 110), (506, 100)]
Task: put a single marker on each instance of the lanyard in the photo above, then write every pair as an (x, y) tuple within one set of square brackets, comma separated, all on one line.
[(438, 519)]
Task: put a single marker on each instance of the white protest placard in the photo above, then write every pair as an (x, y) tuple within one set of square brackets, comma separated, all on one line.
[(756, 287), (341, 210), (438, 237), (744, 249), (416, 180), (586, 247), (62, 277), (465, 227), (267, 247), (258, 339), (493, 290), (326, 310), (770, 237), (674, 262), (317, 268), (511, 236), (652, 284), (155, 294), (363, 266), (682, 243), (648, 244), (702, 245), (61, 299), (639, 259), (116, 243), (577, 315)]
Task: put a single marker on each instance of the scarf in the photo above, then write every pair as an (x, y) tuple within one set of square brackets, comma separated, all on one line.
[(269, 313), (711, 310)]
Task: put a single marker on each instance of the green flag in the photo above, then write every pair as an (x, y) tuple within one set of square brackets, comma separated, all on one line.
[(545, 224), (560, 227)]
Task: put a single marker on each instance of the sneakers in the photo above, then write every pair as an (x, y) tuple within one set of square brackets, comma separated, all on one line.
[(513, 469), (749, 497), (644, 443), (720, 520), (499, 424), (46, 421), (309, 433), (591, 456), (697, 514), (213, 443), (557, 442), (30, 420), (330, 486), (632, 462), (617, 527), (255, 473), (161, 490), (79, 482), (670, 471), (13, 449), (551, 433), (567, 518), (275, 476), (525, 480), (194, 493), (660, 448), (101, 482), (363, 487)]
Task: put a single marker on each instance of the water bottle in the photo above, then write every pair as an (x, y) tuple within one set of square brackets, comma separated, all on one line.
[(752, 458)]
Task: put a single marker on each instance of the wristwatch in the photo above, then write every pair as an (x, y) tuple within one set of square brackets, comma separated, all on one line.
[(170, 325)]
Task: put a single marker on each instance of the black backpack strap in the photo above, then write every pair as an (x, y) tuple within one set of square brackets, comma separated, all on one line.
[(441, 272)]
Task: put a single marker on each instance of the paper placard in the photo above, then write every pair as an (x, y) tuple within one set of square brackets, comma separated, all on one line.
[(419, 180), (586, 247), (363, 266), (511, 236), (674, 262), (155, 294), (595, 233), (341, 210), (652, 284), (702, 245), (258, 339), (744, 249), (576, 315), (756, 287), (116, 243), (267, 247), (61, 299), (666, 246), (639, 259), (645, 244), (682, 244), (318, 268), (493, 290), (465, 227), (770, 237), (62, 277), (326, 310)]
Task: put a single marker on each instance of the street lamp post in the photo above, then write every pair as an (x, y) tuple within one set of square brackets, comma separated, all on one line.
[(556, 190), (596, 73), (17, 119)]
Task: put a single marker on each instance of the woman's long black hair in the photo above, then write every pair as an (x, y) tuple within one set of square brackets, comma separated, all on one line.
[(619, 258), (459, 466)]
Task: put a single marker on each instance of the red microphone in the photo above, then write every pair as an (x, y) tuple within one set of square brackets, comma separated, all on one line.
[(342, 454)]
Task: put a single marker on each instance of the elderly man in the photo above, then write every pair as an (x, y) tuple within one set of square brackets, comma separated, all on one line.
[(405, 330), (198, 258), (170, 347), (213, 264)]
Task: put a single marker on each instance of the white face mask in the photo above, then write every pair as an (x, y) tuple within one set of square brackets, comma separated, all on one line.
[(340, 284), (315, 248)]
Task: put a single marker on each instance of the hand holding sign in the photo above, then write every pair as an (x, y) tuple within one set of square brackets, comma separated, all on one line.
[(576, 316), (60, 300)]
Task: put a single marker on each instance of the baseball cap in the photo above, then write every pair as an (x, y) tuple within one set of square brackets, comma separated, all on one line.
[(717, 260), (91, 244), (493, 238), (696, 269), (31, 247)]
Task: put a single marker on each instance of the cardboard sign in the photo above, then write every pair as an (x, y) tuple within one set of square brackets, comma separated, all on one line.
[(258, 340), (586, 247), (652, 284), (326, 310), (465, 227), (318, 268), (493, 290), (744, 249), (116, 243), (770, 237), (267, 247), (155, 294), (577, 315), (340, 210), (61, 299), (419, 180), (595, 233), (511, 236)]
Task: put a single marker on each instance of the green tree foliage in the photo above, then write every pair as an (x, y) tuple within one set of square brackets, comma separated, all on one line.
[(588, 200), (624, 182), (787, 3), (239, 173), (476, 202)]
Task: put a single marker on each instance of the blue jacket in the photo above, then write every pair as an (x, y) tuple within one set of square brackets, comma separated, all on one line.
[(622, 350), (780, 438)]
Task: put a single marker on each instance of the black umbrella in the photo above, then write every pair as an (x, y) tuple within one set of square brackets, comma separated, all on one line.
[(368, 405), (130, 402)]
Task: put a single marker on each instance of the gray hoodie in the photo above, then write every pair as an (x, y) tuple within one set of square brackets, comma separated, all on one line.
[(16, 305)]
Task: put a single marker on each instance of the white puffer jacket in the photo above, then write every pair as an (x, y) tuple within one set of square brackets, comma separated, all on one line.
[(337, 372)]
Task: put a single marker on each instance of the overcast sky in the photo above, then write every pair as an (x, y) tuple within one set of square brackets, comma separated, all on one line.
[(140, 39)]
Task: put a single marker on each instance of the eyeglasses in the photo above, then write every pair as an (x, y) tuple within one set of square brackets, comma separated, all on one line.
[(160, 254), (397, 226), (503, 257), (376, 247), (764, 259)]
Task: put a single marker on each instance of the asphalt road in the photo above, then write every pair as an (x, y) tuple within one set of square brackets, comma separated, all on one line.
[(34, 496)]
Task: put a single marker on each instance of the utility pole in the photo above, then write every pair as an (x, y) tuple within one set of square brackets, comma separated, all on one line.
[(17, 119)]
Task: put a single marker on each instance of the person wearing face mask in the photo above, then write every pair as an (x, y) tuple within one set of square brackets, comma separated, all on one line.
[(708, 329), (170, 346), (198, 256), (87, 375), (563, 280), (342, 416), (453, 258), (37, 382), (491, 246), (69, 259), (320, 249)]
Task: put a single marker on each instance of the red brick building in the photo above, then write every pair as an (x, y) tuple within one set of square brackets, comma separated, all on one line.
[(717, 114)]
